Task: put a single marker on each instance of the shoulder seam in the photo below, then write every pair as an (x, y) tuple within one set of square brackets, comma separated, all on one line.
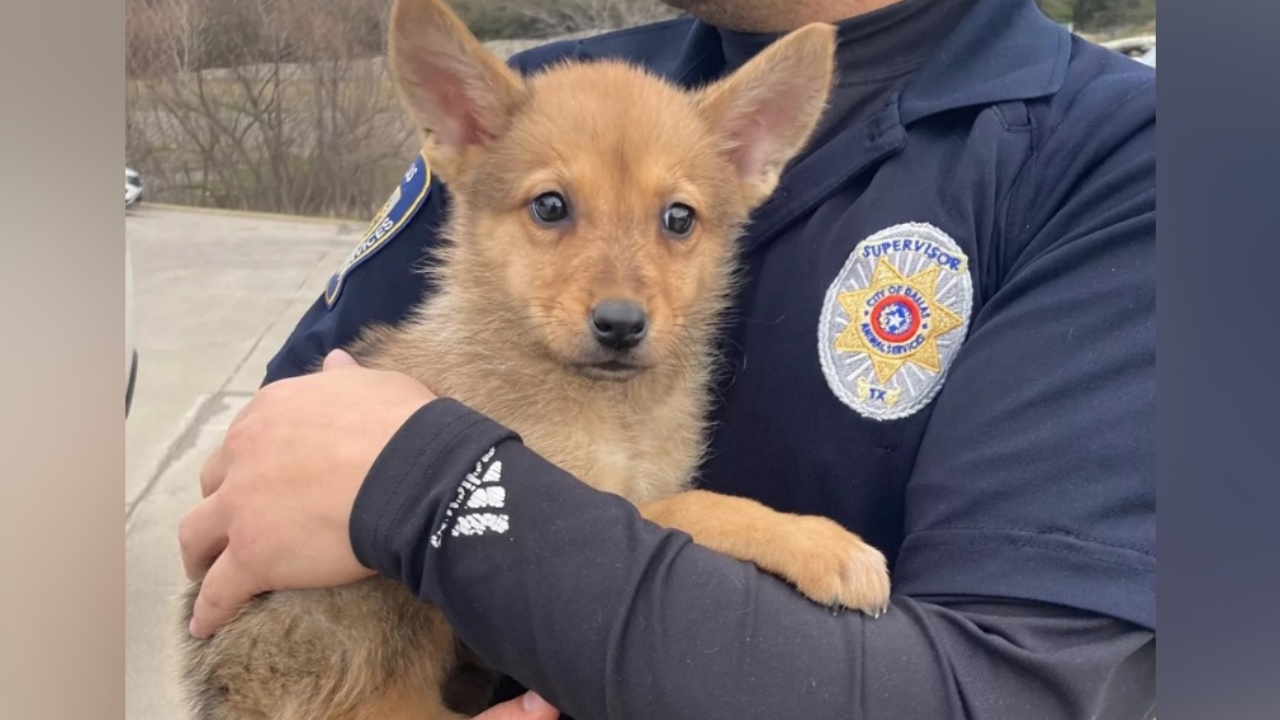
[(1037, 147)]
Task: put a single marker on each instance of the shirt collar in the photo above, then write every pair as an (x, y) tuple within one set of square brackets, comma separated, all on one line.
[(969, 69), (1029, 61)]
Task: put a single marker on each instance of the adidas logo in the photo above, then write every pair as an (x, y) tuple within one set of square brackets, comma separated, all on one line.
[(472, 511)]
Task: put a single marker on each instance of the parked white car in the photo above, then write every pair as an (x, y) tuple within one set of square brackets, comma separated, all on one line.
[(132, 195), (130, 350), (1140, 47), (132, 187)]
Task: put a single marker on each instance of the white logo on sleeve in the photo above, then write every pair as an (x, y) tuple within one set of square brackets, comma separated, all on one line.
[(473, 510)]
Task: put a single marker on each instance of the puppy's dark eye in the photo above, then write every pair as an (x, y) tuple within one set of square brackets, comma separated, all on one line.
[(677, 220), (550, 208)]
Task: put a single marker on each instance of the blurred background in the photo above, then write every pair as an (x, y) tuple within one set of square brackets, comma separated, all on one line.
[(285, 105)]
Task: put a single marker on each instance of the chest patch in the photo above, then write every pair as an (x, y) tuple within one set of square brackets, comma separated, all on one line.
[(398, 210), (894, 319)]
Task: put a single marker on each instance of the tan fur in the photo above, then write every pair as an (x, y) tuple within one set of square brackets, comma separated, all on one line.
[(821, 558), (506, 333)]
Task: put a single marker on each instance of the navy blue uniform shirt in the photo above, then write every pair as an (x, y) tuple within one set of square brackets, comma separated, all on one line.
[(946, 343)]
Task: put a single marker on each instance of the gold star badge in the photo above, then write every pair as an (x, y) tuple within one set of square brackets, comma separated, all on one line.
[(927, 320)]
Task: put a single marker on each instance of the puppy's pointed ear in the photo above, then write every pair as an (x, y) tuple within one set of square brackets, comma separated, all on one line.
[(458, 94), (765, 112)]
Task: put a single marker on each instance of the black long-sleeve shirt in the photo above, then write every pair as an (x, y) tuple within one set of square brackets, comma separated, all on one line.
[(609, 616)]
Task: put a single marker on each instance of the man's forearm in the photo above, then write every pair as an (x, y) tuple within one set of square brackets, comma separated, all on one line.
[(570, 592)]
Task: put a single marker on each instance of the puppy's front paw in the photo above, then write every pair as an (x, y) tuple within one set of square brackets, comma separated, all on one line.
[(834, 567)]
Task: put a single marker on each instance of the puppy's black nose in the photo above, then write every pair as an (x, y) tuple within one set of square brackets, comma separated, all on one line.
[(619, 324)]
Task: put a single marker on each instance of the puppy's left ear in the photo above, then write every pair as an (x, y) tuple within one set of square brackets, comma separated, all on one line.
[(765, 112)]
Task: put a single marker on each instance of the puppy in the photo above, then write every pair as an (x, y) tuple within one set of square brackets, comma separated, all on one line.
[(589, 256)]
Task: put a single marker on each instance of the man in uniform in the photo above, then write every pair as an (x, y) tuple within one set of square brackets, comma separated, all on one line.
[(946, 343)]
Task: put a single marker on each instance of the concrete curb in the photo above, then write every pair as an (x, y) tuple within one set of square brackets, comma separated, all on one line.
[(279, 217)]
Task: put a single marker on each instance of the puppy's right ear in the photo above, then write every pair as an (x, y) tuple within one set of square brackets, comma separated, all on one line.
[(458, 94), (766, 110)]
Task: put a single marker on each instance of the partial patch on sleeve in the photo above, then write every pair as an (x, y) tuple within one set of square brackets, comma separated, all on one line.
[(404, 202)]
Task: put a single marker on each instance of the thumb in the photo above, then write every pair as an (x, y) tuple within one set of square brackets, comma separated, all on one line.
[(529, 706), (338, 359), (224, 590)]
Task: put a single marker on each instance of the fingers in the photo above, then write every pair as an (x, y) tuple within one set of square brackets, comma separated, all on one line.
[(535, 706), (224, 591), (529, 706), (202, 536), (213, 472), (338, 359)]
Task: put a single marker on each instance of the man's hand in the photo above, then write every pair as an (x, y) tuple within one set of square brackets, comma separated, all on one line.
[(526, 707), (278, 492)]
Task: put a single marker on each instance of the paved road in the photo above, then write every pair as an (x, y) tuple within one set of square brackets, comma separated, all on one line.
[(215, 295)]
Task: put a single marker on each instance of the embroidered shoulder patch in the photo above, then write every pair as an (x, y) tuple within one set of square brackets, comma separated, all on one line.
[(398, 210), (894, 319)]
